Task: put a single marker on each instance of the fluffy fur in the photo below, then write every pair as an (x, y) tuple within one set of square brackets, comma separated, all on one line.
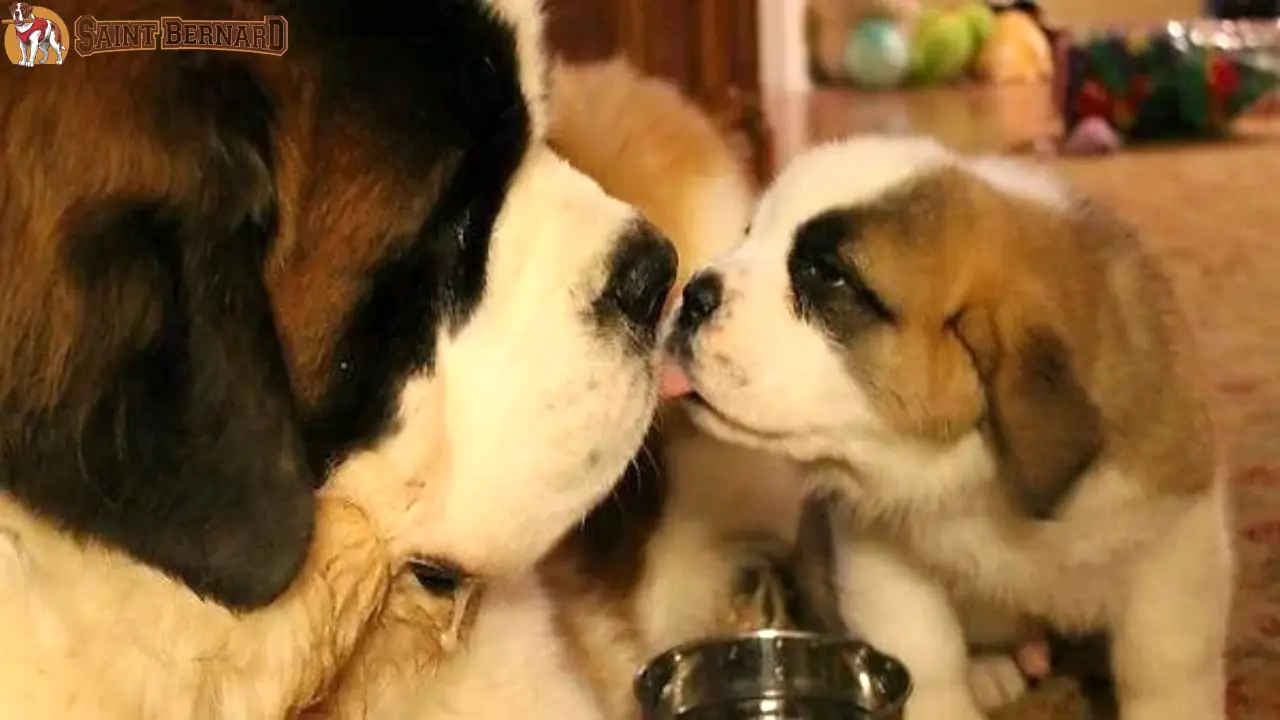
[(230, 279), (660, 560), (994, 376)]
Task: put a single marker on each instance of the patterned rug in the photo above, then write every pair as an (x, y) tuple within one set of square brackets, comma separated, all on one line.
[(1212, 213)]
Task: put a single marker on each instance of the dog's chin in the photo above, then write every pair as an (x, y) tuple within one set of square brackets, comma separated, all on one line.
[(715, 420)]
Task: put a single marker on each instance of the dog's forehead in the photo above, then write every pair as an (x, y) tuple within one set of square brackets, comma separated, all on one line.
[(862, 170), (848, 173), (525, 17)]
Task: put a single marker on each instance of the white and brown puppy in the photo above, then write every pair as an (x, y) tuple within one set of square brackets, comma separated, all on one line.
[(227, 279), (994, 374)]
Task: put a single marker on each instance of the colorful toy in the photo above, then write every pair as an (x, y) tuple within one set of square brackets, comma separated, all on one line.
[(1161, 84), (942, 46), (1093, 136), (831, 24), (877, 55), (1016, 51), (981, 19)]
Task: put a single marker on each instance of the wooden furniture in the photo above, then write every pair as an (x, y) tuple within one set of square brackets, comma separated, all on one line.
[(709, 48)]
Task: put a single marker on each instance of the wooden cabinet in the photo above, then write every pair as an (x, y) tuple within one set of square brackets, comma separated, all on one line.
[(710, 48)]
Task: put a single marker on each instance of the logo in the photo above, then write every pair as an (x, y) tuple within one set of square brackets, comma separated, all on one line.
[(268, 36), (34, 35)]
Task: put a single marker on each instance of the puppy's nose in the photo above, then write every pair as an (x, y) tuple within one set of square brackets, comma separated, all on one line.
[(641, 273), (701, 297)]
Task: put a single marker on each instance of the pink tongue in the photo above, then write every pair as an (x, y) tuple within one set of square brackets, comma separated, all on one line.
[(674, 382)]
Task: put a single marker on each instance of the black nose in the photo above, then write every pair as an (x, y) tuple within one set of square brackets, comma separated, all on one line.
[(641, 273), (700, 299)]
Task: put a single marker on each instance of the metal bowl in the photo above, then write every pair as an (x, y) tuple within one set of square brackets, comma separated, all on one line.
[(773, 675)]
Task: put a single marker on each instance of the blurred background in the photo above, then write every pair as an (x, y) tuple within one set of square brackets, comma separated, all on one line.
[(752, 63)]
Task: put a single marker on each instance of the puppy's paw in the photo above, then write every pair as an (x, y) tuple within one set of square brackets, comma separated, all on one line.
[(759, 601), (995, 681)]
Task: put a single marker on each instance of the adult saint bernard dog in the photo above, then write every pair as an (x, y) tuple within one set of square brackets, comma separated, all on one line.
[(281, 336), (994, 376), (693, 540)]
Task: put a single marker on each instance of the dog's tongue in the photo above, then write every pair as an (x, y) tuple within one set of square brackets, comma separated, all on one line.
[(674, 383)]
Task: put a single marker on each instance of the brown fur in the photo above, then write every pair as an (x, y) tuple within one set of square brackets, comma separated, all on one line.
[(649, 145), (993, 323)]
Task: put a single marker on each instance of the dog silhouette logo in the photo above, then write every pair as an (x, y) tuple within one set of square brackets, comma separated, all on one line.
[(34, 35)]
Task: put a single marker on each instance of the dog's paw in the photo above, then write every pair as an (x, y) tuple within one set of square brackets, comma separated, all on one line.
[(995, 681)]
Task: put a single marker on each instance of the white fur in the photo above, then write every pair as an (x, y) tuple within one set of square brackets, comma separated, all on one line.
[(1022, 179), (929, 538), (531, 412), (514, 664)]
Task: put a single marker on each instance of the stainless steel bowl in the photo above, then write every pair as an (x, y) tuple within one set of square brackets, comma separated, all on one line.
[(773, 675)]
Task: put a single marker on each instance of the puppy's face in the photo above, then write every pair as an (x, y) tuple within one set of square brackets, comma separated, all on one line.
[(885, 294), (361, 262)]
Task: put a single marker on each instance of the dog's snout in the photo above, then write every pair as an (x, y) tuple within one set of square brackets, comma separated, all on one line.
[(700, 299), (641, 273)]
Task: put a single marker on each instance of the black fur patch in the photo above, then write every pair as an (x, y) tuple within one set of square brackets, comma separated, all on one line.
[(179, 445), (174, 437), (642, 269), (825, 288), (439, 84)]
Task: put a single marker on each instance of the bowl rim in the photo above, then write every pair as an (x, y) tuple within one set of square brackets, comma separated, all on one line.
[(672, 655)]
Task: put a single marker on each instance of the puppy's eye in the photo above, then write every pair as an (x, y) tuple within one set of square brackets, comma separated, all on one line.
[(825, 270), (437, 577)]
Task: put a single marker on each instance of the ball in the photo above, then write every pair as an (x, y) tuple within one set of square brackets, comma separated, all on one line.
[(981, 20), (877, 55), (942, 47)]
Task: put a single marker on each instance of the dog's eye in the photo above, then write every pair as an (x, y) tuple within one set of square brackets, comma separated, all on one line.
[(826, 270), (437, 577), (831, 273)]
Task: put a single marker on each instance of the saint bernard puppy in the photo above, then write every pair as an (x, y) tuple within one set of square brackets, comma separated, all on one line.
[(687, 545), (228, 281), (995, 378)]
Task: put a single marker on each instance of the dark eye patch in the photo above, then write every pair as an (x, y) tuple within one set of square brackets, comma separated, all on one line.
[(822, 279)]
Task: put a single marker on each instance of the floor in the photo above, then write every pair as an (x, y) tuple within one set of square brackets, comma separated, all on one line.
[(1212, 213)]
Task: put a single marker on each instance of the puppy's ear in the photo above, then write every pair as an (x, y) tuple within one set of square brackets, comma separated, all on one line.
[(1042, 421), (147, 405)]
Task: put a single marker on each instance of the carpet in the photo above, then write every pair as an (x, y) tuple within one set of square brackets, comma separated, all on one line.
[(1212, 215)]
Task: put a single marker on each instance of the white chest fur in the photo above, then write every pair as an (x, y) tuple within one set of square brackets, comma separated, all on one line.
[(945, 513)]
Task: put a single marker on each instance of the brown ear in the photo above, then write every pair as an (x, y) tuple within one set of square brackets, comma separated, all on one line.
[(144, 399), (1043, 423)]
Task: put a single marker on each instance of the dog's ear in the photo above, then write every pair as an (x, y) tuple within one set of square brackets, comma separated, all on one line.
[(144, 400), (1045, 427)]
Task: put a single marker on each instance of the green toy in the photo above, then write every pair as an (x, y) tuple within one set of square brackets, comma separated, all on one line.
[(942, 47), (982, 21)]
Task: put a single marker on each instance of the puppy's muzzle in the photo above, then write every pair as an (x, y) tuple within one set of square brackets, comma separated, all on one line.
[(700, 300)]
